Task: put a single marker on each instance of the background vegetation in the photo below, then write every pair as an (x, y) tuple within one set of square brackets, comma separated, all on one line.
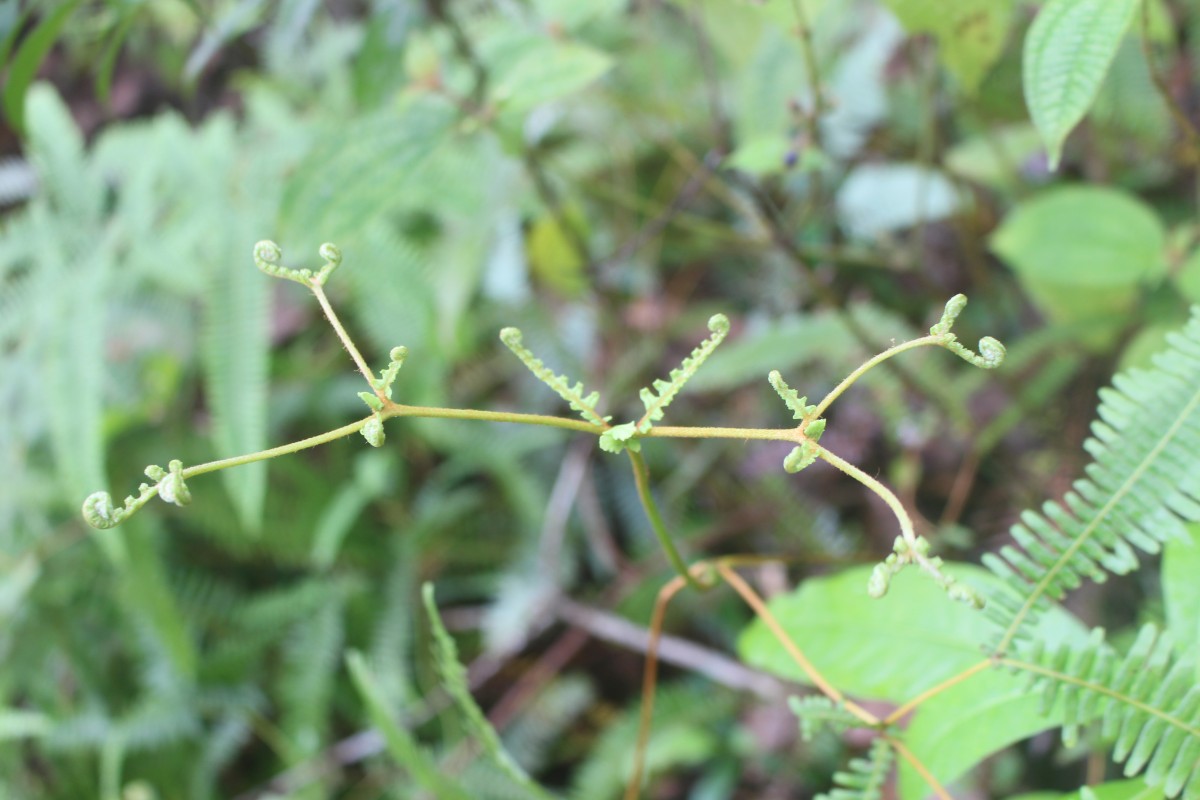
[(606, 174)]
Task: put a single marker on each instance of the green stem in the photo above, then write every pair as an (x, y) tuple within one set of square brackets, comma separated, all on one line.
[(399, 410), (642, 479), (347, 342), (885, 494), (282, 450), (700, 432), (893, 502), (848, 381)]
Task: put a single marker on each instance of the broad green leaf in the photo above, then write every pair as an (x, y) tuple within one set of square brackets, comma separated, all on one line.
[(1181, 589), (970, 33), (898, 646), (891, 648), (956, 730), (1067, 53), (548, 70), (1086, 236), (1080, 251)]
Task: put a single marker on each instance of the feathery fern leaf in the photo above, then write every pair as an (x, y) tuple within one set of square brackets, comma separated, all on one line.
[(1144, 481), (584, 404), (664, 392), (864, 778), (454, 679), (400, 743), (1148, 701), (816, 711)]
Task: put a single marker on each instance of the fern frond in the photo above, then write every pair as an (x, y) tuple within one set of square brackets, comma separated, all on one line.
[(664, 392), (798, 405), (400, 742), (454, 680), (816, 711), (1148, 701), (1143, 483), (864, 778), (584, 404)]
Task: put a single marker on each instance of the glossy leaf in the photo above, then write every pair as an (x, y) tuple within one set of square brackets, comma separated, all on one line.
[(970, 33)]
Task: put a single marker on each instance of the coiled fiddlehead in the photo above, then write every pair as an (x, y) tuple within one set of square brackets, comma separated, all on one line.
[(99, 511)]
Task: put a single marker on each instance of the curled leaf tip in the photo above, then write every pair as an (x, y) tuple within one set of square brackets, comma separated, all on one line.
[(331, 253), (267, 251), (991, 352), (398, 353), (718, 323), (333, 259), (98, 511), (511, 336)]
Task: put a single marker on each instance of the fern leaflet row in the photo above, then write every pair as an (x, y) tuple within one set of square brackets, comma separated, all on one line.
[(1148, 703), (1143, 484)]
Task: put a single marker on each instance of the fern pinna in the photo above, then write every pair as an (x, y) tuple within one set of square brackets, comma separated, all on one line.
[(1148, 703), (1142, 486)]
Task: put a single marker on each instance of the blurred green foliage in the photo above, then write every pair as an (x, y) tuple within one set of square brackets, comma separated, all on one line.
[(607, 175)]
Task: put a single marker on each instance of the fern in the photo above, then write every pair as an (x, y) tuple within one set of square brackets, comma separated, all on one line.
[(864, 778), (400, 743), (1149, 703), (584, 404), (454, 679), (1144, 482), (664, 392), (816, 711)]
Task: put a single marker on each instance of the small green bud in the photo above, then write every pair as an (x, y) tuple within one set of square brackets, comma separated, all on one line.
[(372, 431), (172, 487), (879, 582), (954, 307), (719, 324)]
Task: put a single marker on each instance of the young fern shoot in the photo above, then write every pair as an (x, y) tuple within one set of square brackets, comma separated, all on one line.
[(576, 399)]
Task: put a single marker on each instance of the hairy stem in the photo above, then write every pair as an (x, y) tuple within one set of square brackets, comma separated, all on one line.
[(884, 493), (347, 342), (867, 366), (282, 450)]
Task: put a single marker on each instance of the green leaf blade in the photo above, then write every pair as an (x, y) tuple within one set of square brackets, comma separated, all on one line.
[(1067, 54)]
